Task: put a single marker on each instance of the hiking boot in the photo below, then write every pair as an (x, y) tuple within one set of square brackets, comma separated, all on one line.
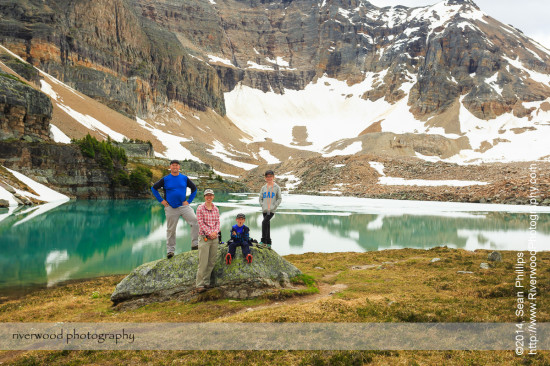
[(200, 289), (249, 258), (261, 245), (195, 247), (169, 255), (268, 246), (228, 259)]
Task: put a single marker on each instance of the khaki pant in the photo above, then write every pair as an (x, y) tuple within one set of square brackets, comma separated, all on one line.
[(172, 217), (208, 251)]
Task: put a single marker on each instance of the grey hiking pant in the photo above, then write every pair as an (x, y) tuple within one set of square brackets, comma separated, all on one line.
[(208, 251), (172, 217)]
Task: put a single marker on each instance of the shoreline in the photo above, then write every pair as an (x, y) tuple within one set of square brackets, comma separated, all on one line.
[(362, 176), (31, 289), (508, 183), (17, 292), (381, 197)]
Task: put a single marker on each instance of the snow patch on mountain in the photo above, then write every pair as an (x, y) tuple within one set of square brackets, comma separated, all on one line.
[(510, 138), (266, 155), (536, 76), (216, 59), (396, 181), (221, 152), (330, 110), (292, 181), (91, 123), (173, 143), (253, 65), (47, 89), (63, 85), (492, 82), (350, 149), (87, 121), (58, 135), (43, 193)]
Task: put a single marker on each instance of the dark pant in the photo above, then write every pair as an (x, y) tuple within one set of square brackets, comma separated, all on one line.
[(233, 247), (266, 228)]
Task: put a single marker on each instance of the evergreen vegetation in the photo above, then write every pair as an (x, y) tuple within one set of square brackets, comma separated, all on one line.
[(113, 160), (140, 178), (109, 156)]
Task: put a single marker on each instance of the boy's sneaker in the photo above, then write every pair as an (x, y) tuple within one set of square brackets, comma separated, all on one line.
[(169, 255), (249, 258), (228, 259), (268, 246), (261, 245)]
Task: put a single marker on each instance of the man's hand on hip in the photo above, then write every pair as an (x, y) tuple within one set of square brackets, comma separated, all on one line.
[(165, 203), (185, 203)]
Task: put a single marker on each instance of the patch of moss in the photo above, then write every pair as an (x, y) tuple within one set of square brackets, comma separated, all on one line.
[(12, 77), (303, 279), (24, 69)]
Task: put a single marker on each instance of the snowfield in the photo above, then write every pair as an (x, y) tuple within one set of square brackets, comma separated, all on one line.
[(395, 181), (332, 111), (43, 193)]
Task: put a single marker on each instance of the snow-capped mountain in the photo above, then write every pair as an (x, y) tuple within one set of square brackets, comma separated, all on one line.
[(472, 88), (240, 84)]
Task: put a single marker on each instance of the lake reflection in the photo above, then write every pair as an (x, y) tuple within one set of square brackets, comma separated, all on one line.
[(83, 239)]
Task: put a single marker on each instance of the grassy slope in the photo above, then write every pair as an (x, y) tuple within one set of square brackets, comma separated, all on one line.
[(392, 286)]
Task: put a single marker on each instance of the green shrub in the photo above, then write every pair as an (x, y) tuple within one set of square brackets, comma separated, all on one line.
[(121, 178), (110, 157), (140, 179)]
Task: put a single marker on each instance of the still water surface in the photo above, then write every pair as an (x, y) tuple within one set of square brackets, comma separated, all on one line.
[(82, 239)]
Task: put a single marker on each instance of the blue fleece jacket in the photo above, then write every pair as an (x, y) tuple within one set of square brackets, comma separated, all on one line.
[(242, 234), (175, 189)]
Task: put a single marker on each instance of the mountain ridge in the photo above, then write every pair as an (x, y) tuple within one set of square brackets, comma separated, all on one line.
[(189, 72)]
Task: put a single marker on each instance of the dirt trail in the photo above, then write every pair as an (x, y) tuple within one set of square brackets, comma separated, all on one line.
[(325, 290)]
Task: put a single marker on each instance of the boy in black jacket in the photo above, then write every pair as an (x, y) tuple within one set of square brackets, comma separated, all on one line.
[(240, 237)]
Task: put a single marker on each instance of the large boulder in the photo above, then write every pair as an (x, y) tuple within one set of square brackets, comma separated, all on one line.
[(173, 278)]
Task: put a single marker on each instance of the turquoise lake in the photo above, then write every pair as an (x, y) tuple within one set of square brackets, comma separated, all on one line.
[(50, 244)]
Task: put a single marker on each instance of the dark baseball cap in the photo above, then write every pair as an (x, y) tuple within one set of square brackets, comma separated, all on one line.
[(175, 162), (241, 216)]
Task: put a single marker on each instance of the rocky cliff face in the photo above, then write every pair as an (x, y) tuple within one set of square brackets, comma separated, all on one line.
[(110, 52), (61, 166), (137, 55), (432, 55), (137, 149), (25, 113)]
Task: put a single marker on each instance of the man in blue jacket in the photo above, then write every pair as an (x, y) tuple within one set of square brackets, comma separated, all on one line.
[(176, 204)]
